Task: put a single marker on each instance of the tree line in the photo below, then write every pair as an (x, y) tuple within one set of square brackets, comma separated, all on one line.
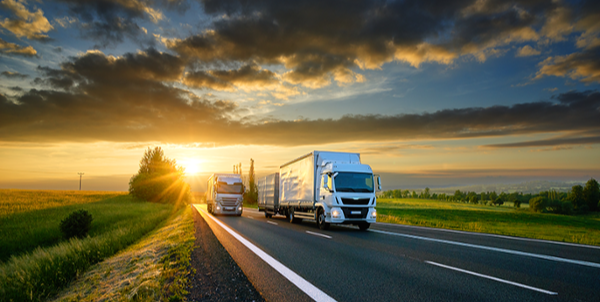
[(580, 199)]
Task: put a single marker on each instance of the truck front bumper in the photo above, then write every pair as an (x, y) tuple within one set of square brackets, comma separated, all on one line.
[(348, 215), (230, 210)]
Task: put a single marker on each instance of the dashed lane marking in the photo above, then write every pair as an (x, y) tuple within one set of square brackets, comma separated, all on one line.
[(493, 278), (319, 234)]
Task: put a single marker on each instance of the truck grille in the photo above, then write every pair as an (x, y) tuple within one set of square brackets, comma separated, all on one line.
[(228, 202), (361, 201), (348, 213)]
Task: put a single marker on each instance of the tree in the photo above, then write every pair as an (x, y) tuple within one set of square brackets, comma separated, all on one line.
[(577, 198), (251, 197), (405, 194), (493, 197), (473, 197), (426, 194), (591, 194), (159, 179), (538, 204)]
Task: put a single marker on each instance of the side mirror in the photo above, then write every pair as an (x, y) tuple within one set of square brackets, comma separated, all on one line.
[(326, 182), (378, 182)]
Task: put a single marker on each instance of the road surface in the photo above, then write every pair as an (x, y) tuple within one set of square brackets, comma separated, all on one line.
[(299, 262)]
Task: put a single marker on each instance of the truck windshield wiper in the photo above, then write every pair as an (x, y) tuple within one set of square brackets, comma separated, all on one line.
[(346, 189)]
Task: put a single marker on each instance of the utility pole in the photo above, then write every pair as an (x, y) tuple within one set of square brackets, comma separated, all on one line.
[(80, 175)]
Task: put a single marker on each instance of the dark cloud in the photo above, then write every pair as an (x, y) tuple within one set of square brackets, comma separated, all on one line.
[(135, 98), (109, 22), (99, 97), (13, 75), (318, 41), (550, 142)]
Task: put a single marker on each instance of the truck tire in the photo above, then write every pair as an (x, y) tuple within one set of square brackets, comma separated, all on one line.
[(363, 226), (293, 218), (267, 215), (321, 220), (209, 208)]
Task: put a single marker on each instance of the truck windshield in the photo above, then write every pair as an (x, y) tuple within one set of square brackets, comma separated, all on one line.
[(223, 187), (354, 182)]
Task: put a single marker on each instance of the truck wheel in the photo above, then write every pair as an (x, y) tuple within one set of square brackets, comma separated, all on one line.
[(267, 215), (321, 220), (363, 226), (293, 218), (209, 208)]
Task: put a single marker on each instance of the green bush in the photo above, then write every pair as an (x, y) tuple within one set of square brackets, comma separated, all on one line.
[(77, 224), (538, 204)]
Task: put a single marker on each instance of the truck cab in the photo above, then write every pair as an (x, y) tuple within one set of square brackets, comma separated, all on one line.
[(224, 194), (347, 194)]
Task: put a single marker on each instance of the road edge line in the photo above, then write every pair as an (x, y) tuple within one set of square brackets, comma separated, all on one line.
[(490, 235), (305, 286)]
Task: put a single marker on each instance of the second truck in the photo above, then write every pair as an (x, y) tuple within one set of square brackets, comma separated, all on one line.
[(224, 194), (329, 187)]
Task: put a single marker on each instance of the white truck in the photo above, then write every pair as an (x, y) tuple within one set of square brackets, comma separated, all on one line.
[(224, 194), (329, 187)]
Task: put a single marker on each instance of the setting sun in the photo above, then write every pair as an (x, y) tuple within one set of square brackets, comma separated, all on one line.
[(192, 166)]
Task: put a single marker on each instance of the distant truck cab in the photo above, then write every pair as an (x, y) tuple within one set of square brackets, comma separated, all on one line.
[(224, 194)]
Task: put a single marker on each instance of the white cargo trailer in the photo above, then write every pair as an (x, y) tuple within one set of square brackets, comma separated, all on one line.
[(329, 187), (268, 194), (224, 194)]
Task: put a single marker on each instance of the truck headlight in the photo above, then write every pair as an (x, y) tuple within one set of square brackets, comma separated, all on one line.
[(240, 208), (218, 208), (335, 213), (374, 213)]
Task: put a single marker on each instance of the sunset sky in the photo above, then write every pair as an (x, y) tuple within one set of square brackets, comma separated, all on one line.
[(431, 93)]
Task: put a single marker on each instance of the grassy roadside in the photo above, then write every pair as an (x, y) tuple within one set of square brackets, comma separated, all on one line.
[(41, 262), (584, 229), (25, 231), (154, 269)]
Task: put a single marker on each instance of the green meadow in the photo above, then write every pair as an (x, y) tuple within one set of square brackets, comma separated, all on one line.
[(503, 220), (37, 261)]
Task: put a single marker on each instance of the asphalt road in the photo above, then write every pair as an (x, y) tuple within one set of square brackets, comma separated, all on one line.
[(402, 263)]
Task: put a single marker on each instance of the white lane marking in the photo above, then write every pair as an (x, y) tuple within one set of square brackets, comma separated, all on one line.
[(319, 234), (490, 235), (305, 286), (545, 257), (271, 222), (250, 217), (493, 278)]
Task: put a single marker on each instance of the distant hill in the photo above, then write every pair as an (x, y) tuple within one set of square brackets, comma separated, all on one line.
[(524, 187)]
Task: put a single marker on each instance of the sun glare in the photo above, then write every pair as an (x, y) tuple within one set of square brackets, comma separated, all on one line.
[(192, 166)]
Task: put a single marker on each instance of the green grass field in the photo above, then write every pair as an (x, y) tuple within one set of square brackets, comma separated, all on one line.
[(504, 220), (16, 201), (39, 262), (36, 225)]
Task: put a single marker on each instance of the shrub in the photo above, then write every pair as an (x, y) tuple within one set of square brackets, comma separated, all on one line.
[(559, 207), (77, 224), (538, 204)]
